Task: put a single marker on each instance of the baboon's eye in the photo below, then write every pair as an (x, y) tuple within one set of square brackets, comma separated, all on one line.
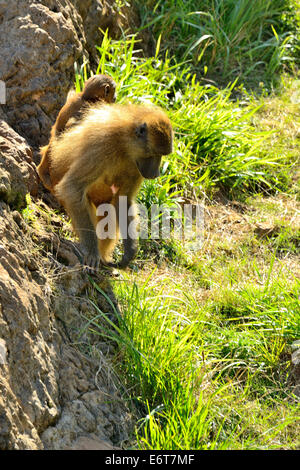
[(141, 131)]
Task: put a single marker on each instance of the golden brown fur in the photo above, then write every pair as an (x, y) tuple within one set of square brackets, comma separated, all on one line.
[(99, 88), (105, 156)]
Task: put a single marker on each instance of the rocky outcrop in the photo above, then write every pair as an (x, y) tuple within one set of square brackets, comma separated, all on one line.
[(52, 393), (40, 41), (17, 171)]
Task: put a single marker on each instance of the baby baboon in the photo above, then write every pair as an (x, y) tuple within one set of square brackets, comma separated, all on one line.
[(99, 88)]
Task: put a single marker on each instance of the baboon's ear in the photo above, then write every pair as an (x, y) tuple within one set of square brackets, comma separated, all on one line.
[(149, 167)]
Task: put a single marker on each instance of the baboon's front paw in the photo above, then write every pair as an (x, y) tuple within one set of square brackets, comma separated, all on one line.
[(91, 263)]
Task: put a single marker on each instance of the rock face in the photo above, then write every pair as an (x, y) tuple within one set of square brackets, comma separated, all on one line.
[(57, 386), (17, 171), (39, 44), (51, 393), (40, 41), (28, 380)]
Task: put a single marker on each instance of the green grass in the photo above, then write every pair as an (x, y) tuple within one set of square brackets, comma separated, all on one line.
[(226, 39), (207, 375), (204, 349)]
